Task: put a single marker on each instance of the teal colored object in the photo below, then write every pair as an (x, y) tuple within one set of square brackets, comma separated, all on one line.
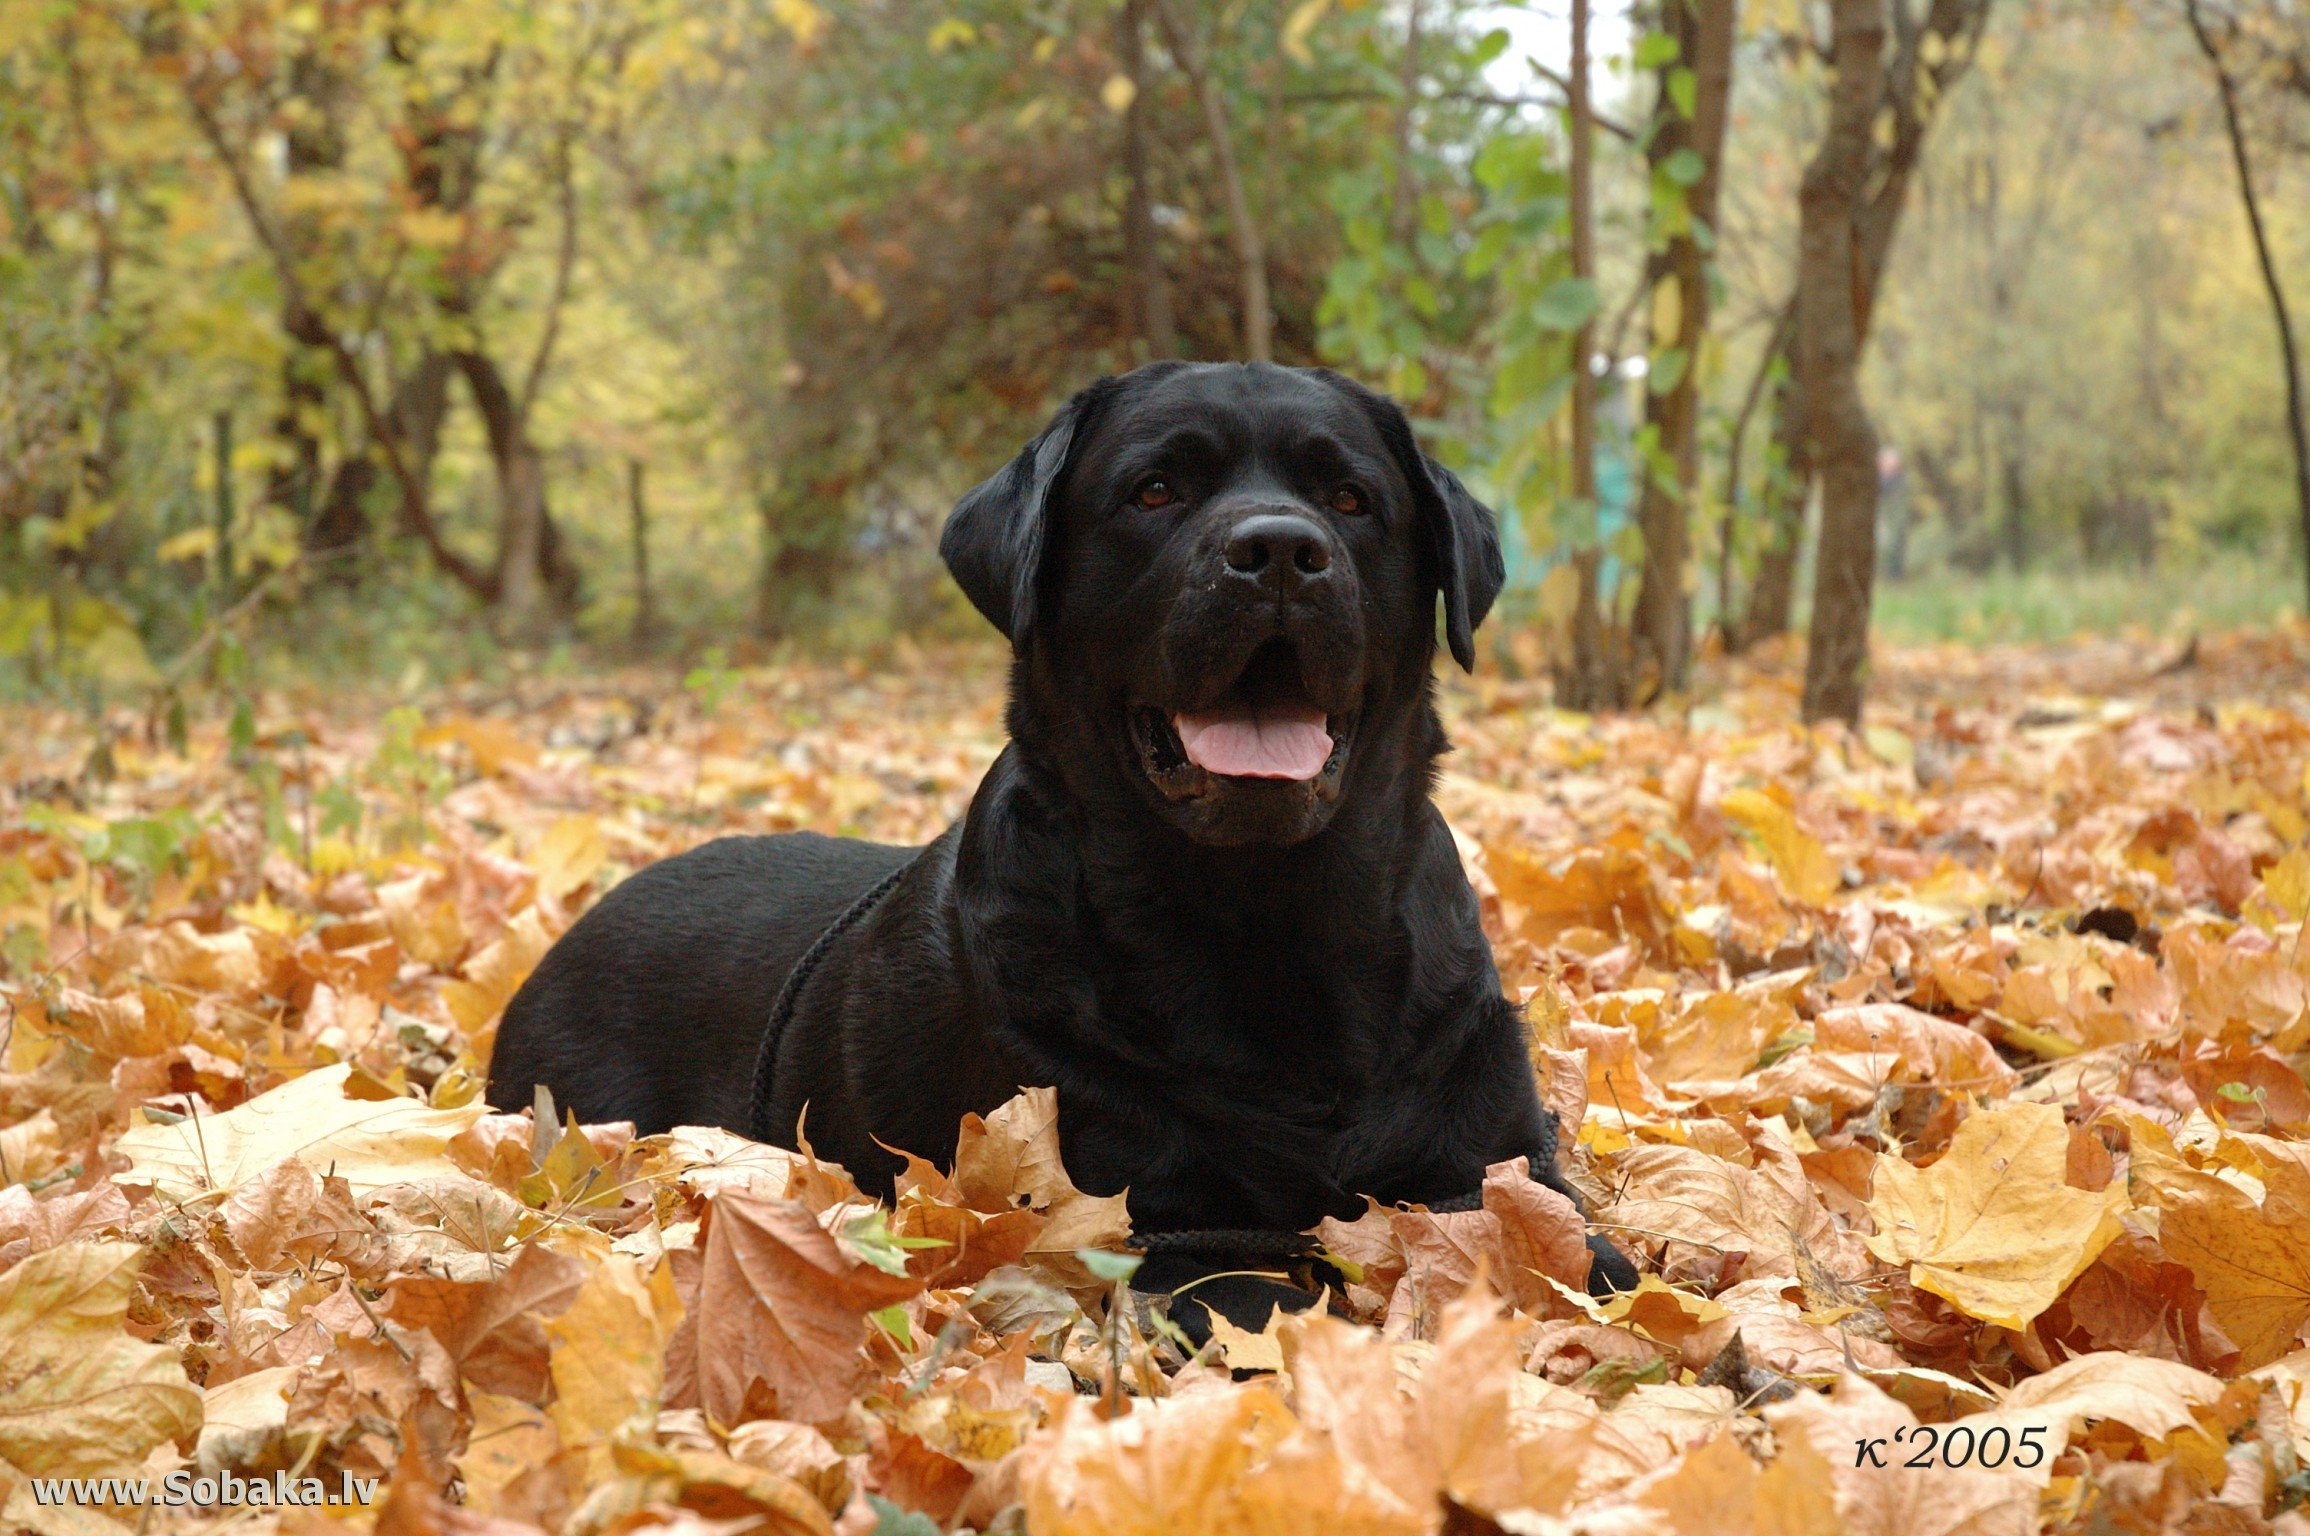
[(1616, 490)]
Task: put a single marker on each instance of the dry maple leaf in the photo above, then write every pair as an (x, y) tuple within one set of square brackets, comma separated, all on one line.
[(609, 1355), (2153, 1397), (1010, 1158), (1931, 1050), (80, 1397), (369, 1143), (1471, 1426), (1610, 892), (284, 1215), (491, 978), (1804, 869), (1717, 1489), (494, 1330), (1175, 1465), (29, 1225), (2252, 1260), (783, 1306), (1991, 1227), (1764, 1211)]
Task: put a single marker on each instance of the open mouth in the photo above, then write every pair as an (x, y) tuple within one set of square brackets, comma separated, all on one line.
[(1265, 726)]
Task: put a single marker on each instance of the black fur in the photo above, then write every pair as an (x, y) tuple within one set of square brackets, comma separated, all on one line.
[(1258, 1000)]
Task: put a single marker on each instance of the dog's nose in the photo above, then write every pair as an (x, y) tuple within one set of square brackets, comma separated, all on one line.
[(1279, 550)]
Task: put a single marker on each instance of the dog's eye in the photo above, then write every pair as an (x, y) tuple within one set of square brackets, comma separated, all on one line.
[(1347, 499), (1156, 493)]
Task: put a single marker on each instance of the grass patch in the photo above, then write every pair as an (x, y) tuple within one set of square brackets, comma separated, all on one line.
[(2053, 604)]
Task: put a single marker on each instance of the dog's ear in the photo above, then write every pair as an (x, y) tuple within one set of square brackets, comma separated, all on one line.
[(994, 537), (1462, 536), (1466, 539)]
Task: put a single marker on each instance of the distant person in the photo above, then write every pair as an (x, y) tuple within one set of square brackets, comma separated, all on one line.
[(1893, 514)]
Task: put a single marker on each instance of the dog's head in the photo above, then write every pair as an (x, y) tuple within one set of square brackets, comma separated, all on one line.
[(1220, 581)]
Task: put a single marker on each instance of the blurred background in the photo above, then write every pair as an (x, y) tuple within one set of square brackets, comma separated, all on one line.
[(416, 338)]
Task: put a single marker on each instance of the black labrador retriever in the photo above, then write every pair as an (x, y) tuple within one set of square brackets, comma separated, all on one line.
[(1203, 892)]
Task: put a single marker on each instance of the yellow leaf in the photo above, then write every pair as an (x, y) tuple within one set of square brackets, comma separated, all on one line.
[(607, 1358), (1118, 94), (192, 544), (494, 744), (1802, 866), (245, 1419), (368, 1143), (492, 977), (1719, 1489), (264, 913), (2286, 885), (1992, 1227), (79, 1396), (2252, 1261), (1667, 310), (509, 1438), (802, 20), (572, 1171), (1299, 25), (2153, 1397), (568, 855), (1244, 1350), (427, 929), (30, 1148), (1171, 1465)]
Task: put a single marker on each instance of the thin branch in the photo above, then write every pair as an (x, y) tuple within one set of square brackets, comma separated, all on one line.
[(1611, 125), (2296, 426), (1250, 247), (307, 325), (565, 259)]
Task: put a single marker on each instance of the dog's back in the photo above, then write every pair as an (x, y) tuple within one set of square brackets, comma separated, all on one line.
[(652, 1006)]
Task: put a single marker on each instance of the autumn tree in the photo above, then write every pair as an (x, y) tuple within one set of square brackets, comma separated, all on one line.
[(2280, 39), (431, 148), (1684, 154)]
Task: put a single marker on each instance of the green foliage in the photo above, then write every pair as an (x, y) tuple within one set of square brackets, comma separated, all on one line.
[(816, 269)]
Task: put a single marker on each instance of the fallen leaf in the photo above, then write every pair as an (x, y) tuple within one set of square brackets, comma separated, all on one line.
[(79, 1396), (1801, 865), (2252, 1259), (608, 1357), (782, 1308), (1170, 1466), (491, 978), (369, 1143), (1992, 1227), (495, 1331)]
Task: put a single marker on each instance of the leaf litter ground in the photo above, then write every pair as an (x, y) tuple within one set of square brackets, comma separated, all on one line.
[(1944, 1081)]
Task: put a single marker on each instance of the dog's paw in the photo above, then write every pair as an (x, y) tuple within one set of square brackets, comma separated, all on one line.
[(1608, 1268)]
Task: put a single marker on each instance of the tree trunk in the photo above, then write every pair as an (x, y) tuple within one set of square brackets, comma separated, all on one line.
[(1787, 499), (1250, 245), (1142, 247), (645, 611), (1929, 57), (2015, 475), (1588, 682), (1774, 358), (526, 571), (222, 559), (1403, 216), (1703, 30), (1830, 308), (2297, 415)]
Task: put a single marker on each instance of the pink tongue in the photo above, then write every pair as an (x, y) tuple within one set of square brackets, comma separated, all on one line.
[(1284, 742)]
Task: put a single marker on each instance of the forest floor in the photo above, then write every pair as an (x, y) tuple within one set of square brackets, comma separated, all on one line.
[(1945, 1081)]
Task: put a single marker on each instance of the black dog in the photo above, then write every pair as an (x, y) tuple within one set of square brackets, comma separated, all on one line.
[(1203, 892)]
